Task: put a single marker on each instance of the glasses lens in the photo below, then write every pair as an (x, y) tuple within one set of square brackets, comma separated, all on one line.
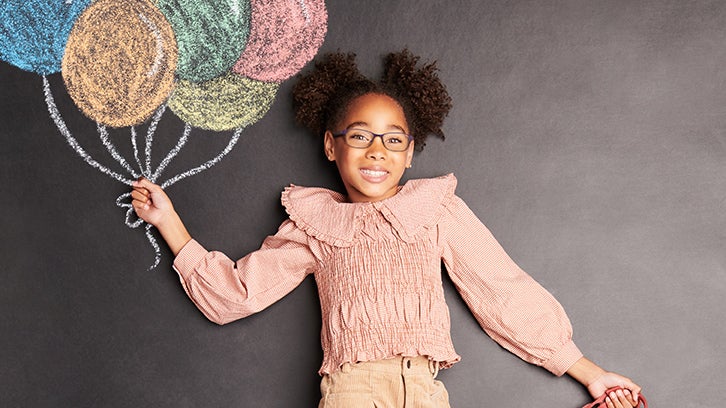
[(396, 142), (358, 138)]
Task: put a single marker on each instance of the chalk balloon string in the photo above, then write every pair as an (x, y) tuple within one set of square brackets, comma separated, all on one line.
[(145, 167)]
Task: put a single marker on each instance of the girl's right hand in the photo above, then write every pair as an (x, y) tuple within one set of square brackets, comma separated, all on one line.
[(153, 206), (151, 202)]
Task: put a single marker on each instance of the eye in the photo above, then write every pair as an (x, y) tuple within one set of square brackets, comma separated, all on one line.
[(395, 138), (358, 135)]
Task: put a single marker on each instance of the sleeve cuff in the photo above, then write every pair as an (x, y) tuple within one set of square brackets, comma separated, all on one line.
[(563, 359), (188, 258)]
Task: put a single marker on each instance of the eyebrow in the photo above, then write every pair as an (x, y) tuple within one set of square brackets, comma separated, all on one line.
[(364, 124)]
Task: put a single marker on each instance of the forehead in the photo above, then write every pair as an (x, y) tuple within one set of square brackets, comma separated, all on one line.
[(377, 110)]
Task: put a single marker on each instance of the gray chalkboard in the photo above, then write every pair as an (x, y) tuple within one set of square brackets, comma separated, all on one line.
[(590, 137)]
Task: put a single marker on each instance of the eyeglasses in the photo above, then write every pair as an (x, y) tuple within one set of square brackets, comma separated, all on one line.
[(362, 139)]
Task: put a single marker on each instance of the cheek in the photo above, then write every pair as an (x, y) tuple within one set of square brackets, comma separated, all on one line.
[(345, 159), (404, 160)]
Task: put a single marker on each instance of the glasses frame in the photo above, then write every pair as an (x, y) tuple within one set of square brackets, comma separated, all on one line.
[(375, 135)]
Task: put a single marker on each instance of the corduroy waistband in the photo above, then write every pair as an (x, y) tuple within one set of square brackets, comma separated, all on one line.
[(397, 365)]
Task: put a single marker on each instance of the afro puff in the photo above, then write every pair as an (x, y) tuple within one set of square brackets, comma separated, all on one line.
[(322, 96)]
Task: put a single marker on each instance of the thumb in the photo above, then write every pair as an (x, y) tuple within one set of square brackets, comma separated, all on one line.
[(143, 182)]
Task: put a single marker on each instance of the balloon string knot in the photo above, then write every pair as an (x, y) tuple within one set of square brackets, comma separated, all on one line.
[(133, 221)]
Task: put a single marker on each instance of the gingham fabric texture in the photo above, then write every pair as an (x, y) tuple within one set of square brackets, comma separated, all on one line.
[(378, 271)]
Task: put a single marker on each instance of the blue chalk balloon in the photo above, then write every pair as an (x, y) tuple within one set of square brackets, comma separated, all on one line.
[(33, 33)]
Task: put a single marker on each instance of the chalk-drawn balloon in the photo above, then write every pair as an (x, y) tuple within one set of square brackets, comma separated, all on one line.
[(285, 35), (211, 35), (228, 102), (33, 33), (119, 61)]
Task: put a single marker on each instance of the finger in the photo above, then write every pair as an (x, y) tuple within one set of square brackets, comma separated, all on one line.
[(140, 195), (634, 388), (141, 191), (624, 401), (139, 206), (615, 400), (629, 396), (140, 201)]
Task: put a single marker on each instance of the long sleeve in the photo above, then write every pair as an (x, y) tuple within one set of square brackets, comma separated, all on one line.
[(510, 306), (225, 290)]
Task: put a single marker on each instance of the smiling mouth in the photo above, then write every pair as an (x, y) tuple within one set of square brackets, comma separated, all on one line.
[(374, 173)]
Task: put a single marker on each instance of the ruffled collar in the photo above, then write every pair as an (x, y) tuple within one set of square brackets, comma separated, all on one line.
[(327, 216)]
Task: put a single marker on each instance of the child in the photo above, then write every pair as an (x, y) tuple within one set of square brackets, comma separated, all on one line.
[(376, 252)]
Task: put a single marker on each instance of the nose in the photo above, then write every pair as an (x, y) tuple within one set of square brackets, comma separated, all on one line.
[(377, 151)]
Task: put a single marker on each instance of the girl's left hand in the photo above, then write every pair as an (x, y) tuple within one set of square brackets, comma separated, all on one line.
[(628, 394), (598, 381)]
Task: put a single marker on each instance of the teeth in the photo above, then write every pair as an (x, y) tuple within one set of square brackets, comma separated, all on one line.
[(373, 173)]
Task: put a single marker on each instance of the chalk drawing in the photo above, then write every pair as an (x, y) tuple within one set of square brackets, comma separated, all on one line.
[(124, 63), (144, 169), (284, 36)]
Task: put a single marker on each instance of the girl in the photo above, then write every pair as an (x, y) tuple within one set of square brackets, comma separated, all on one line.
[(376, 251)]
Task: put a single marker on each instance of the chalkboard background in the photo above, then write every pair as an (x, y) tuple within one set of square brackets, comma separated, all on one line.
[(590, 136)]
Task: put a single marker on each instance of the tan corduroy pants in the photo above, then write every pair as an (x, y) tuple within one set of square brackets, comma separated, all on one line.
[(402, 382)]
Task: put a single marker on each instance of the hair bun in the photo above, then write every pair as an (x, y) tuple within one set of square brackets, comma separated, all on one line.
[(422, 89), (312, 94)]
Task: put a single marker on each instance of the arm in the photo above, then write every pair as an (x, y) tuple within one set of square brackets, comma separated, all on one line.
[(509, 305), (514, 309), (223, 289)]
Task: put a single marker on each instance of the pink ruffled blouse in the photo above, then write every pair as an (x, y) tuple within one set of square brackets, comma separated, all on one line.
[(378, 271)]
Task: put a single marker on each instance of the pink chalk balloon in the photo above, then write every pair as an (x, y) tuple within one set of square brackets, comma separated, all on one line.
[(284, 36)]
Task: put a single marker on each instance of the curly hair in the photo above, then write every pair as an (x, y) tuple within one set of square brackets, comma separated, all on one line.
[(322, 96)]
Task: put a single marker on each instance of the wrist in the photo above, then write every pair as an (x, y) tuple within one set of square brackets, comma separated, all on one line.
[(169, 220), (174, 232), (585, 371)]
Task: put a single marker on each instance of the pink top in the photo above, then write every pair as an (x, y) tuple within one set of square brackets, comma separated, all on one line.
[(378, 270)]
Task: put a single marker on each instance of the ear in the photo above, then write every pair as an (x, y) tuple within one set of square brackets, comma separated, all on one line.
[(329, 145), (409, 155)]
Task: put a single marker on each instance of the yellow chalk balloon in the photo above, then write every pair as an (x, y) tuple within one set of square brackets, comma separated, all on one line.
[(224, 103), (119, 61)]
